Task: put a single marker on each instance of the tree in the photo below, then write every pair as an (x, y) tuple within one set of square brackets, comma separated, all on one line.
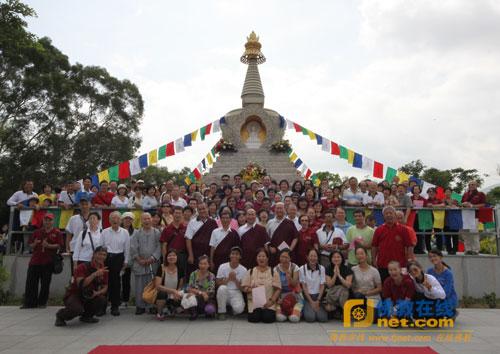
[(334, 179), (493, 196), (58, 120), (413, 168), (156, 175)]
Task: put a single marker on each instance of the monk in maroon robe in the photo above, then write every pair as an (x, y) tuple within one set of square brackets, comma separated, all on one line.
[(252, 237), (222, 240), (198, 233), (281, 229)]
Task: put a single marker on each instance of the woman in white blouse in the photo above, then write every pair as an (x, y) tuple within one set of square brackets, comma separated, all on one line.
[(427, 288), (120, 200), (150, 201), (135, 202), (87, 241)]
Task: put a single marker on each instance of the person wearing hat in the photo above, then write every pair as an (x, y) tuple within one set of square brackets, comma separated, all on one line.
[(228, 280), (120, 200), (128, 224), (45, 242), (87, 294)]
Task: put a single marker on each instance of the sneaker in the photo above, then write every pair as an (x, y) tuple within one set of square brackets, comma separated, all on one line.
[(115, 312), (160, 317), (221, 317), (89, 319), (140, 310), (59, 322)]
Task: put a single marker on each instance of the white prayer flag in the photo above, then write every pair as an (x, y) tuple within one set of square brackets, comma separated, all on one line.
[(216, 126), (367, 164), (326, 145), (179, 145), (425, 187), (135, 168)]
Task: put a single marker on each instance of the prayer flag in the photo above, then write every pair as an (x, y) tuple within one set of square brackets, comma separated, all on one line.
[(103, 176), (305, 131), (403, 177), (95, 180), (187, 180), (453, 219), (456, 196), (209, 159), (208, 128), (298, 163), (170, 149), (135, 167), (193, 136), (469, 219), (438, 219), (357, 160), (312, 136), (153, 157), (187, 139), (319, 139), (297, 127), (162, 152), (350, 156), (335, 149), (113, 173), (204, 163), (223, 120), (202, 133), (282, 122), (124, 170), (485, 215), (343, 152), (143, 161), (424, 220), (293, 156), (192, 177), (179, 145), (390, 174), (308, 174), (325, 145), (378, 170), (289, 124), (216, 126), (367, 164), (197, 174), (425, 188)]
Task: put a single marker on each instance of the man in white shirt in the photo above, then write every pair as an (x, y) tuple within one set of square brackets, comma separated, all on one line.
[(176, 199), (19, 197), (222, 240), (228, 280), (330, 239), (117, 241), (373, 198), (292, 215), (353, 195), (67, 198)]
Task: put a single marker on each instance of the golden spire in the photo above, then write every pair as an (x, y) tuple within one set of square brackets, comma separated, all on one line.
[(252, 50)]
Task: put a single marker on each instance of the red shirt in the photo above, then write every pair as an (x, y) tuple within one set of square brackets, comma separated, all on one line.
[(405, 290), (42, 255), (103, 198), (332, 204), (391, 242), (174, 237), (307, 239), (257, 206), (474, 198), (83, 271)]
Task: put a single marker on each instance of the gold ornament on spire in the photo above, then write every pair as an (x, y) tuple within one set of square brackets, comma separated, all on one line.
[(252, 50)]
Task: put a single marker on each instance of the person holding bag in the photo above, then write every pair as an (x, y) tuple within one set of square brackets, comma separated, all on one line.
[(290, 302), (145, 251), (201, 286), (169, 281), (86, 295)]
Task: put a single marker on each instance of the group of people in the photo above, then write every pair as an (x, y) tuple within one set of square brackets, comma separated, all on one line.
[(279, 253)]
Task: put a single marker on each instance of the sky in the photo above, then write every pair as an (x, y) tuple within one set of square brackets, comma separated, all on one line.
[(395, 80)]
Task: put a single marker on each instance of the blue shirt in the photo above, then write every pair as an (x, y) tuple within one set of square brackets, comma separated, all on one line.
[(344, 227), (445, 278)]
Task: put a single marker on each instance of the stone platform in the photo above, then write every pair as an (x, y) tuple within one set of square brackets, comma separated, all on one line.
[(277, 165)]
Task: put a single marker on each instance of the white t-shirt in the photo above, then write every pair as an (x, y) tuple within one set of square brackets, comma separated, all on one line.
[(225, 269), (217, 236), (117, 202), (19, 197), (75, 226), (313, 279), (179, 202), (326, 237), (83, 250), (378, 199)]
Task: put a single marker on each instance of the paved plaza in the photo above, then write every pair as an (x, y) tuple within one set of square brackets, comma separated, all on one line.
[(32, 331)]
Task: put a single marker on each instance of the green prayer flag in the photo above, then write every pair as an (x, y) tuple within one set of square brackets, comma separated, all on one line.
[(489, 225), (57, 216), (349, 216), (344, 153), (305, 131), (390, 174), (456, 196), (425, 222), (162, 152), (203, 131), (113, 173), (213, 152), (289, 151), (192, 177)]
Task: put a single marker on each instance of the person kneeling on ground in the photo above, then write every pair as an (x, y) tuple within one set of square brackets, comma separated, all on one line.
[(202, 286), (291, 301), (87, 294), (338, 282), (169, 281), (229, 276)]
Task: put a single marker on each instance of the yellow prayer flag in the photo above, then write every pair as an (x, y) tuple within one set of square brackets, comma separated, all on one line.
[(187, 180), (480, 226), (64, 218), (193, 135), (350, 156), (137, 219), (403, 177), (312, 136), (438, 219), (153, 157), (368, 211), (293, 157), (103, 176), (209, 159)]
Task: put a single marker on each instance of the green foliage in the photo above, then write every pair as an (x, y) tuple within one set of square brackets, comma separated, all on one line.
[(493, 196), (488, 245), (157, 175), (58, 120), (334, 179), (490, 300), (456, 178), (4, 276)]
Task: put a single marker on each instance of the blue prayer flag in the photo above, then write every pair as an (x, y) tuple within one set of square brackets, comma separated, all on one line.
[(143, 161), (319, 139), (358, 160), (297, 163), (187, 139)]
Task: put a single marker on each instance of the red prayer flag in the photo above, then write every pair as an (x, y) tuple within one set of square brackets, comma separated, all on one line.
[(124, 170), (308, 174), (378, 170), (208, 128), (485, 215), (170, 149), (197, 173), (440, 193), (297, 127), (335, 149), (411, 218)]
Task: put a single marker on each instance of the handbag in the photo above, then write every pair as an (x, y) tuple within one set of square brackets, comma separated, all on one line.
[(57, 263), (188, 301), (150, 293)]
